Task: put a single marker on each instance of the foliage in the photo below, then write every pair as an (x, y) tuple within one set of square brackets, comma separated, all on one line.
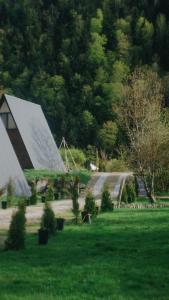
[(75, 196), (48, 218), (106, 200), (34, 175), (79, 77), (116, 165), (108, 136), (50, 193), (92, 154), (34, 196), (10, 193), (78, 157), (129, 191), (16, 233), (90, 205), (141, 115)]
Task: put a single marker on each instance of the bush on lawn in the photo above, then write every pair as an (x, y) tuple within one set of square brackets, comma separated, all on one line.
[(90, 205), (10, 193), (16, 233), (106, 200), (75, 196), (48, 218), (34, 197), (129, 191)]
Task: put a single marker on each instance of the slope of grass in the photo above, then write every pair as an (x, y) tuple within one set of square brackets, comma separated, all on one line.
[(123, 255)]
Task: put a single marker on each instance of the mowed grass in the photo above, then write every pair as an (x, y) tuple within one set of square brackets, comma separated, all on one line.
[(123, 255)]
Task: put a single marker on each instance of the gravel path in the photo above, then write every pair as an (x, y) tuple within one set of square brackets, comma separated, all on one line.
[(34, 213)]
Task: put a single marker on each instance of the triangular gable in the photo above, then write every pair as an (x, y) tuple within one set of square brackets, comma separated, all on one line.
[(10, 167), (35, 134)]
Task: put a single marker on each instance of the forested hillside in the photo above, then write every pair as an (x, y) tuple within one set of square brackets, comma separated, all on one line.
[(73, 57)]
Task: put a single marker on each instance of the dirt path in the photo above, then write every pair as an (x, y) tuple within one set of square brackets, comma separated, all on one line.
[(34, 213)]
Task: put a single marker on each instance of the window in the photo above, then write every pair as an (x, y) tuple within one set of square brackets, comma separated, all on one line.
[(8, 120), (4, 118)]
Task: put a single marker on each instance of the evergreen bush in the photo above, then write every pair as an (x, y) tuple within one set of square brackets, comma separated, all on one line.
[(129, 191), (124, 196), (16, 233), (75, 196), (90, 205), (48, 218), (10, 193), (34, 197), (50, 193), (106, 200)]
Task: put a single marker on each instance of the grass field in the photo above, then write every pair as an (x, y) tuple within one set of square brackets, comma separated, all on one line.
[(123, 255)]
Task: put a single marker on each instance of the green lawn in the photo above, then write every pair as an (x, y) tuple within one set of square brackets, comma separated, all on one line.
[(123, 255)]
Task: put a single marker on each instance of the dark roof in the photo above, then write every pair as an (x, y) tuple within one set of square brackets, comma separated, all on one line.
[(35, 134), (10, 167)]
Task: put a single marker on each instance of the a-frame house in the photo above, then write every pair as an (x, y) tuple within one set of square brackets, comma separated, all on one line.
[(30, 135), (10, 168)]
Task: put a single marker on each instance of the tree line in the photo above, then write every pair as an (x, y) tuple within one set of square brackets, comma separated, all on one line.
[(75, 58)]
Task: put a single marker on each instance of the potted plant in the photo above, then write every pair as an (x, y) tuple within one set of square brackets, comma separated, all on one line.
[(90, 209), (43, 236), (48, 219)]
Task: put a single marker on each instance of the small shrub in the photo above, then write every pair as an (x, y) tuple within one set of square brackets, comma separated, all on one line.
[(48, 219), (116, 165), (75, 196), (129, 191), (34, 197), (50, 193), (124, 196), (106, 201), (90, 205), (136, 186), (16, 233), (10, 193), (77, 154)]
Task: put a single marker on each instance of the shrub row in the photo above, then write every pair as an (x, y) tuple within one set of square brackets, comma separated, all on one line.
[(16, 234)]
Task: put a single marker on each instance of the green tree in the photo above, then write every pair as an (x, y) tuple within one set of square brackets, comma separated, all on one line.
[(48, 218), (108, 136), (16, 234)]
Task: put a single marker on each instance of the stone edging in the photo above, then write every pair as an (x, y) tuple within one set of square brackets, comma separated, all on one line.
[(142, 206)]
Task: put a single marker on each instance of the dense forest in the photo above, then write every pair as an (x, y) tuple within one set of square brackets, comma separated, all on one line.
[(74, 56)]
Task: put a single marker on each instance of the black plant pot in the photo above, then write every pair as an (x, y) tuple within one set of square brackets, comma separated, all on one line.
[(43, 236), (4, 204), (60, 224), (43, 199), (86, 217)]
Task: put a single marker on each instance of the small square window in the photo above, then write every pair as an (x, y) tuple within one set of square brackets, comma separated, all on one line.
[(4, 118)]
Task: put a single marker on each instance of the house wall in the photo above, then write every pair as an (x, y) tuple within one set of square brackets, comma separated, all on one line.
[(15, 138)]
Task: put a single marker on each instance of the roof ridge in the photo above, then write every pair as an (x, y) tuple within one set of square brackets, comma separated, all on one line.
[(20, 99)]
